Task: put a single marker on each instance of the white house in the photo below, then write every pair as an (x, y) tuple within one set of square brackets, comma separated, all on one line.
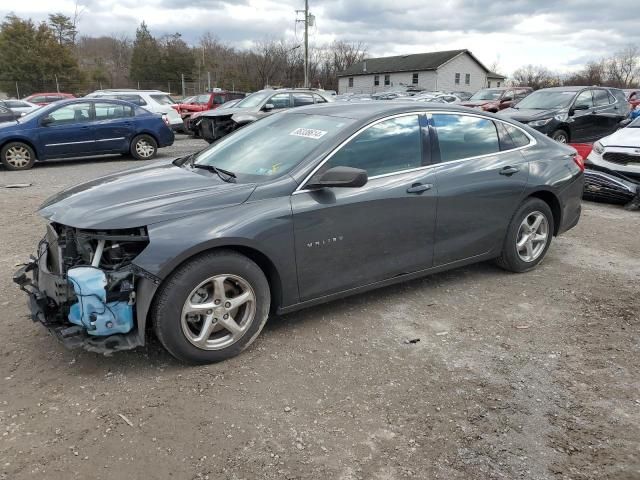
[(453, 70)]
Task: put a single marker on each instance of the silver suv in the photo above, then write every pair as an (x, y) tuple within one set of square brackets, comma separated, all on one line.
[(220, 122)]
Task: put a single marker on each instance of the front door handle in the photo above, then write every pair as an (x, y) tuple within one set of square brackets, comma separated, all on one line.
[(419, 187), (508, 171)]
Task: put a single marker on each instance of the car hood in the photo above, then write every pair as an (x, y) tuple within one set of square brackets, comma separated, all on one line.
[(9, 126), (625, 137), (528, 115), (142, 196)]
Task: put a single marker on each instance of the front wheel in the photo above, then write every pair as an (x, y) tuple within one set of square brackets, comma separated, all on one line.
[(17, 156), (144, 147), (212, 307), (528, 237)]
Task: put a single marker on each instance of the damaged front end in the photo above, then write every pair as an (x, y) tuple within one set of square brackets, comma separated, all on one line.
[(214, 128), (83, 286)]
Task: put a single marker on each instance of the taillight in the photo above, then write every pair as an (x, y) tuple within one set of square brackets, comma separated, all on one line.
[(579, 161)]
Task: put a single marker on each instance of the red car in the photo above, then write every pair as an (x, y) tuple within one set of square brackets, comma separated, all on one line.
[(205, 101), (633, 97), (47, 98), (494, 99)]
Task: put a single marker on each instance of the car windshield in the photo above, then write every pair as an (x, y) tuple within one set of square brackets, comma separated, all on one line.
[(273, 146), (163, 99), (546, 100), (487, 95), (253, 100)]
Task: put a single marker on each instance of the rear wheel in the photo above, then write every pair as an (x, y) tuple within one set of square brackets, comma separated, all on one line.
[(528, 237), (212, 307), (17, 156), (560, 136), (144, 147)]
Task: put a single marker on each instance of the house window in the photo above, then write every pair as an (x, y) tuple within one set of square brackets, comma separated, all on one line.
[(467, 79), (498, 83), (415, 79), (457, 79), (489, 83), (387, 79), (350, 82), (376, 80)]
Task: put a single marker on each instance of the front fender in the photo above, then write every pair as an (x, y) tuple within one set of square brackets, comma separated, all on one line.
[(265, 227)]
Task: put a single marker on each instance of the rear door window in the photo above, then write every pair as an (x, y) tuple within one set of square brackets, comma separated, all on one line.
[(112, 111), (518, 137), (135, 99), (302, 99), (390, 146), (163, 99), (464, 136)]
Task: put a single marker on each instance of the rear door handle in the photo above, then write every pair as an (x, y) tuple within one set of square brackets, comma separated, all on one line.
[(419, 187), (508, 171)]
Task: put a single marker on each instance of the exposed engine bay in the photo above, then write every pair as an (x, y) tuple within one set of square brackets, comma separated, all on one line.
[(214, 128), (84, 285)]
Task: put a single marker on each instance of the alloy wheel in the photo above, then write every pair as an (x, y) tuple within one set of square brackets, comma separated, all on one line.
[(532, 237), (218, 312), (144, 148), (18, 156)]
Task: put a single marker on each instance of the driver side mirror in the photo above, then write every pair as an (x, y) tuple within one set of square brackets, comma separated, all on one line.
[(48, 120), (340, 177), (578, 107), (268, 106)]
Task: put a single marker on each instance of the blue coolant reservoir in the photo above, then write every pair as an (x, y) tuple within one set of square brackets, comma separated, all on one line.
[(92, 310)]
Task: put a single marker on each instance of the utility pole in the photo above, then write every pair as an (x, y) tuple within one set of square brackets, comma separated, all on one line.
[(306, 20), (306, 43), (183, 90), (57, 85), (17, 91), (208, 81)]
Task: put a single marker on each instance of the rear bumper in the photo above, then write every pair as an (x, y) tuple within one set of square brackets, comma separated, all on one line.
[(571, 204)]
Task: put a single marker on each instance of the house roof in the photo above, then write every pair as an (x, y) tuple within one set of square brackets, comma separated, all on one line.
[(491, 74), (405, 63)]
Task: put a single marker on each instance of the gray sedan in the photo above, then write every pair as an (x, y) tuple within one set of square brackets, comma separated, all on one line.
[(303, 207)]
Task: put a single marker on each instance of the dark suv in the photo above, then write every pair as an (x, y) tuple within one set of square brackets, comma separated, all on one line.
[(572, 114), (217, 124), (496, 99)]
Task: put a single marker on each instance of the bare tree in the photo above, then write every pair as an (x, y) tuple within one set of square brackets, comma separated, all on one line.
[(535, 76), (623, 67)]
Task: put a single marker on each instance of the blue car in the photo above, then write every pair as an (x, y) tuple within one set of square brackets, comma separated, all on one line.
[(81, 128)]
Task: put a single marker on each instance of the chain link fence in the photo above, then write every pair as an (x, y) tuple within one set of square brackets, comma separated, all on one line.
[(16, 88)]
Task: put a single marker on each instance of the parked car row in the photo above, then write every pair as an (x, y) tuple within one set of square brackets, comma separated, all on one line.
[(79, 128)]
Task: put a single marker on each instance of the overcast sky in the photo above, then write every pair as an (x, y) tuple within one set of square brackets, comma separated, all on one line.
[(561, 35)]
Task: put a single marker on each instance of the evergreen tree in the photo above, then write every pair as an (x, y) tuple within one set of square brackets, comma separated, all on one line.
[(146, 60), (63, 29)]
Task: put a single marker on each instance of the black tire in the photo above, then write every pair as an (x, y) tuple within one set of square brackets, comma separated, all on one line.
[(560, 135), (17, 156), (172, 295), (143, 147), (510, 259)]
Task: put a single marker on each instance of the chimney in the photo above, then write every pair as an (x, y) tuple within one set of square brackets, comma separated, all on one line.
[(364, 66)]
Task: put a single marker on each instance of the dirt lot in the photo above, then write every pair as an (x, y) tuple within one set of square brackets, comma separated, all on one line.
[(531, 376)]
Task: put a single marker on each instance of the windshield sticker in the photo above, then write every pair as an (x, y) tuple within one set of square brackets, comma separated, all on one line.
[(308, 133)]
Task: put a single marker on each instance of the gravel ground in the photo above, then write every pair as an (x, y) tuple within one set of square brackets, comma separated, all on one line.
[(531, 376)]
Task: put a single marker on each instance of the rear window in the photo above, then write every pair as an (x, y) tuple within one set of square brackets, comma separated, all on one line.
[(163, 99)]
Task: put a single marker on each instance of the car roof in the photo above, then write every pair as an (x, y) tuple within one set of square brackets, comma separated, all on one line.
[(373, 109), (127, 92)]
